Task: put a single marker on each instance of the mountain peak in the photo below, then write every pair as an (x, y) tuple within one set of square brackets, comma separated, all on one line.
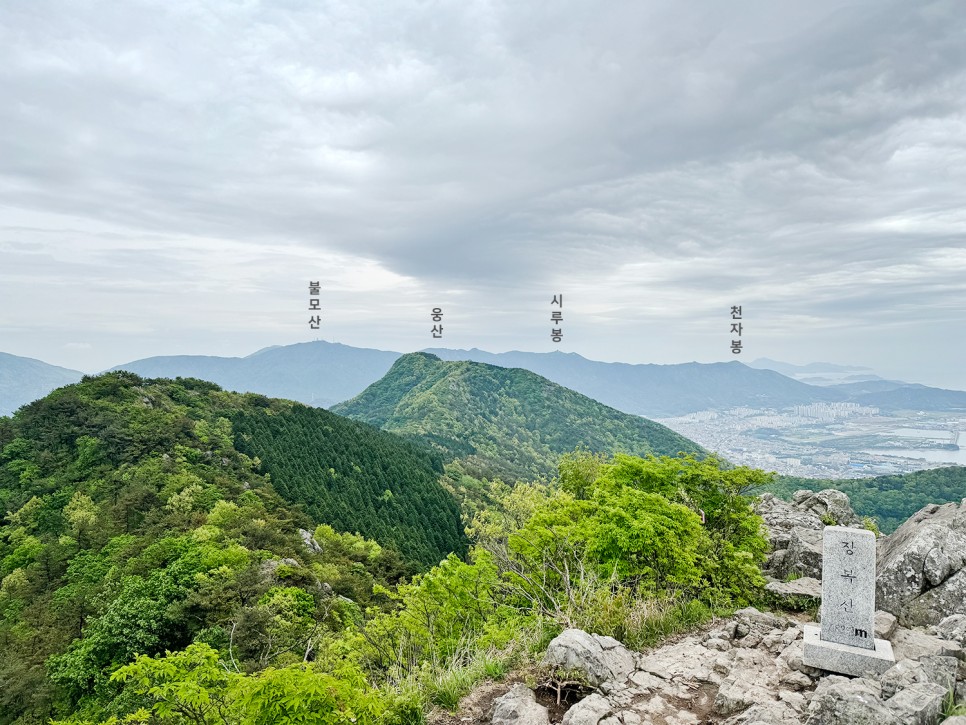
[(501, 422)]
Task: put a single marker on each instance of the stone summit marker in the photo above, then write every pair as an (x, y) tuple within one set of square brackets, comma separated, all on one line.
[(845, 641)]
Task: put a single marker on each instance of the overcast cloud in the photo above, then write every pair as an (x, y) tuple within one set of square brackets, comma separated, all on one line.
[(173, 173)]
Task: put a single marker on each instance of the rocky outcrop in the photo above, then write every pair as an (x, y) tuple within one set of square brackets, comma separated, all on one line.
[(922, 566), (311, 544), (838, 700), (748, 670), (952, 627), (596, 659), (795, 529), (519, 707), (589, 711)]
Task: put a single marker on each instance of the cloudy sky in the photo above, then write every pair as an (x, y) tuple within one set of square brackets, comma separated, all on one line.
[(173, 173)]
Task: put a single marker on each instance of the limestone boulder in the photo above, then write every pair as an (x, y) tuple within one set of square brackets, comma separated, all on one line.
[(920, 576), (598, 659), (831, 507), (953, 628), (519, 706), (804, 554), (589, 711), (919, 704), (839, 700)]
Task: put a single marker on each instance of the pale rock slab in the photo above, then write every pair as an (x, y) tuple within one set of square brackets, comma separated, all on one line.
[(804, 555), (519, 706), (597, 658), (911, 644), (839, 700), (788, 592), (919, 704), (921, 566), (953, 628), (589, 711), (846, 641), (885, 624)]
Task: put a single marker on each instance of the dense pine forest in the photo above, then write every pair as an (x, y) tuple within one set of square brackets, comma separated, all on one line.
[(890, 500), (501, 422), (172, 553), (355, 477)]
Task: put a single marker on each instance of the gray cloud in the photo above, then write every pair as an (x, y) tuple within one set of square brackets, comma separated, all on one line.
[(659, 160)]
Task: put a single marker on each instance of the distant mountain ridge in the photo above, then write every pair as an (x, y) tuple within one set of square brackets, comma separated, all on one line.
[(322, 373), (816, 367), (24, 380), (316, 373), (499, 421), (658, 391)]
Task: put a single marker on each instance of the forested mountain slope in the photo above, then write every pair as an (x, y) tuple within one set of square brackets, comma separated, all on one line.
[(499, 421), (134, 525), (317, 373), (355, 477)]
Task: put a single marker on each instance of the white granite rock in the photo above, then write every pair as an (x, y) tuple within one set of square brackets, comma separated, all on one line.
[(598, 659), (519, 706), (589, 711), (921, 566), (953, 628), (919, 704), (842, 701)]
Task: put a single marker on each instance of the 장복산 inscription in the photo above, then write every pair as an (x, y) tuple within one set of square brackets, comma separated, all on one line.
[(848, 586)]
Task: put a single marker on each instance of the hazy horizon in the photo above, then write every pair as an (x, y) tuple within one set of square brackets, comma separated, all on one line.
[(175, 175), (747, 360)]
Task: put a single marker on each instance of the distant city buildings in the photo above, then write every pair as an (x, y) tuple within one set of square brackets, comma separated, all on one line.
[(832, 411), (826, 440)]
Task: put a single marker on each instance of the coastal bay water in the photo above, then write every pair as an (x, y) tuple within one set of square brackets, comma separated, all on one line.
[(931, 455)]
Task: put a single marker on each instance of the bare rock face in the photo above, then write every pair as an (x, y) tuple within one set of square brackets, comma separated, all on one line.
[(309, 540), (519, 707), (589, 711), (914, 644), (781, 517), (795, 529), (830, 505), (839, 700), (598, 659), (953, 628), (922, 567), (919, 704), (804, 557), (748, 670), (935, 669)]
